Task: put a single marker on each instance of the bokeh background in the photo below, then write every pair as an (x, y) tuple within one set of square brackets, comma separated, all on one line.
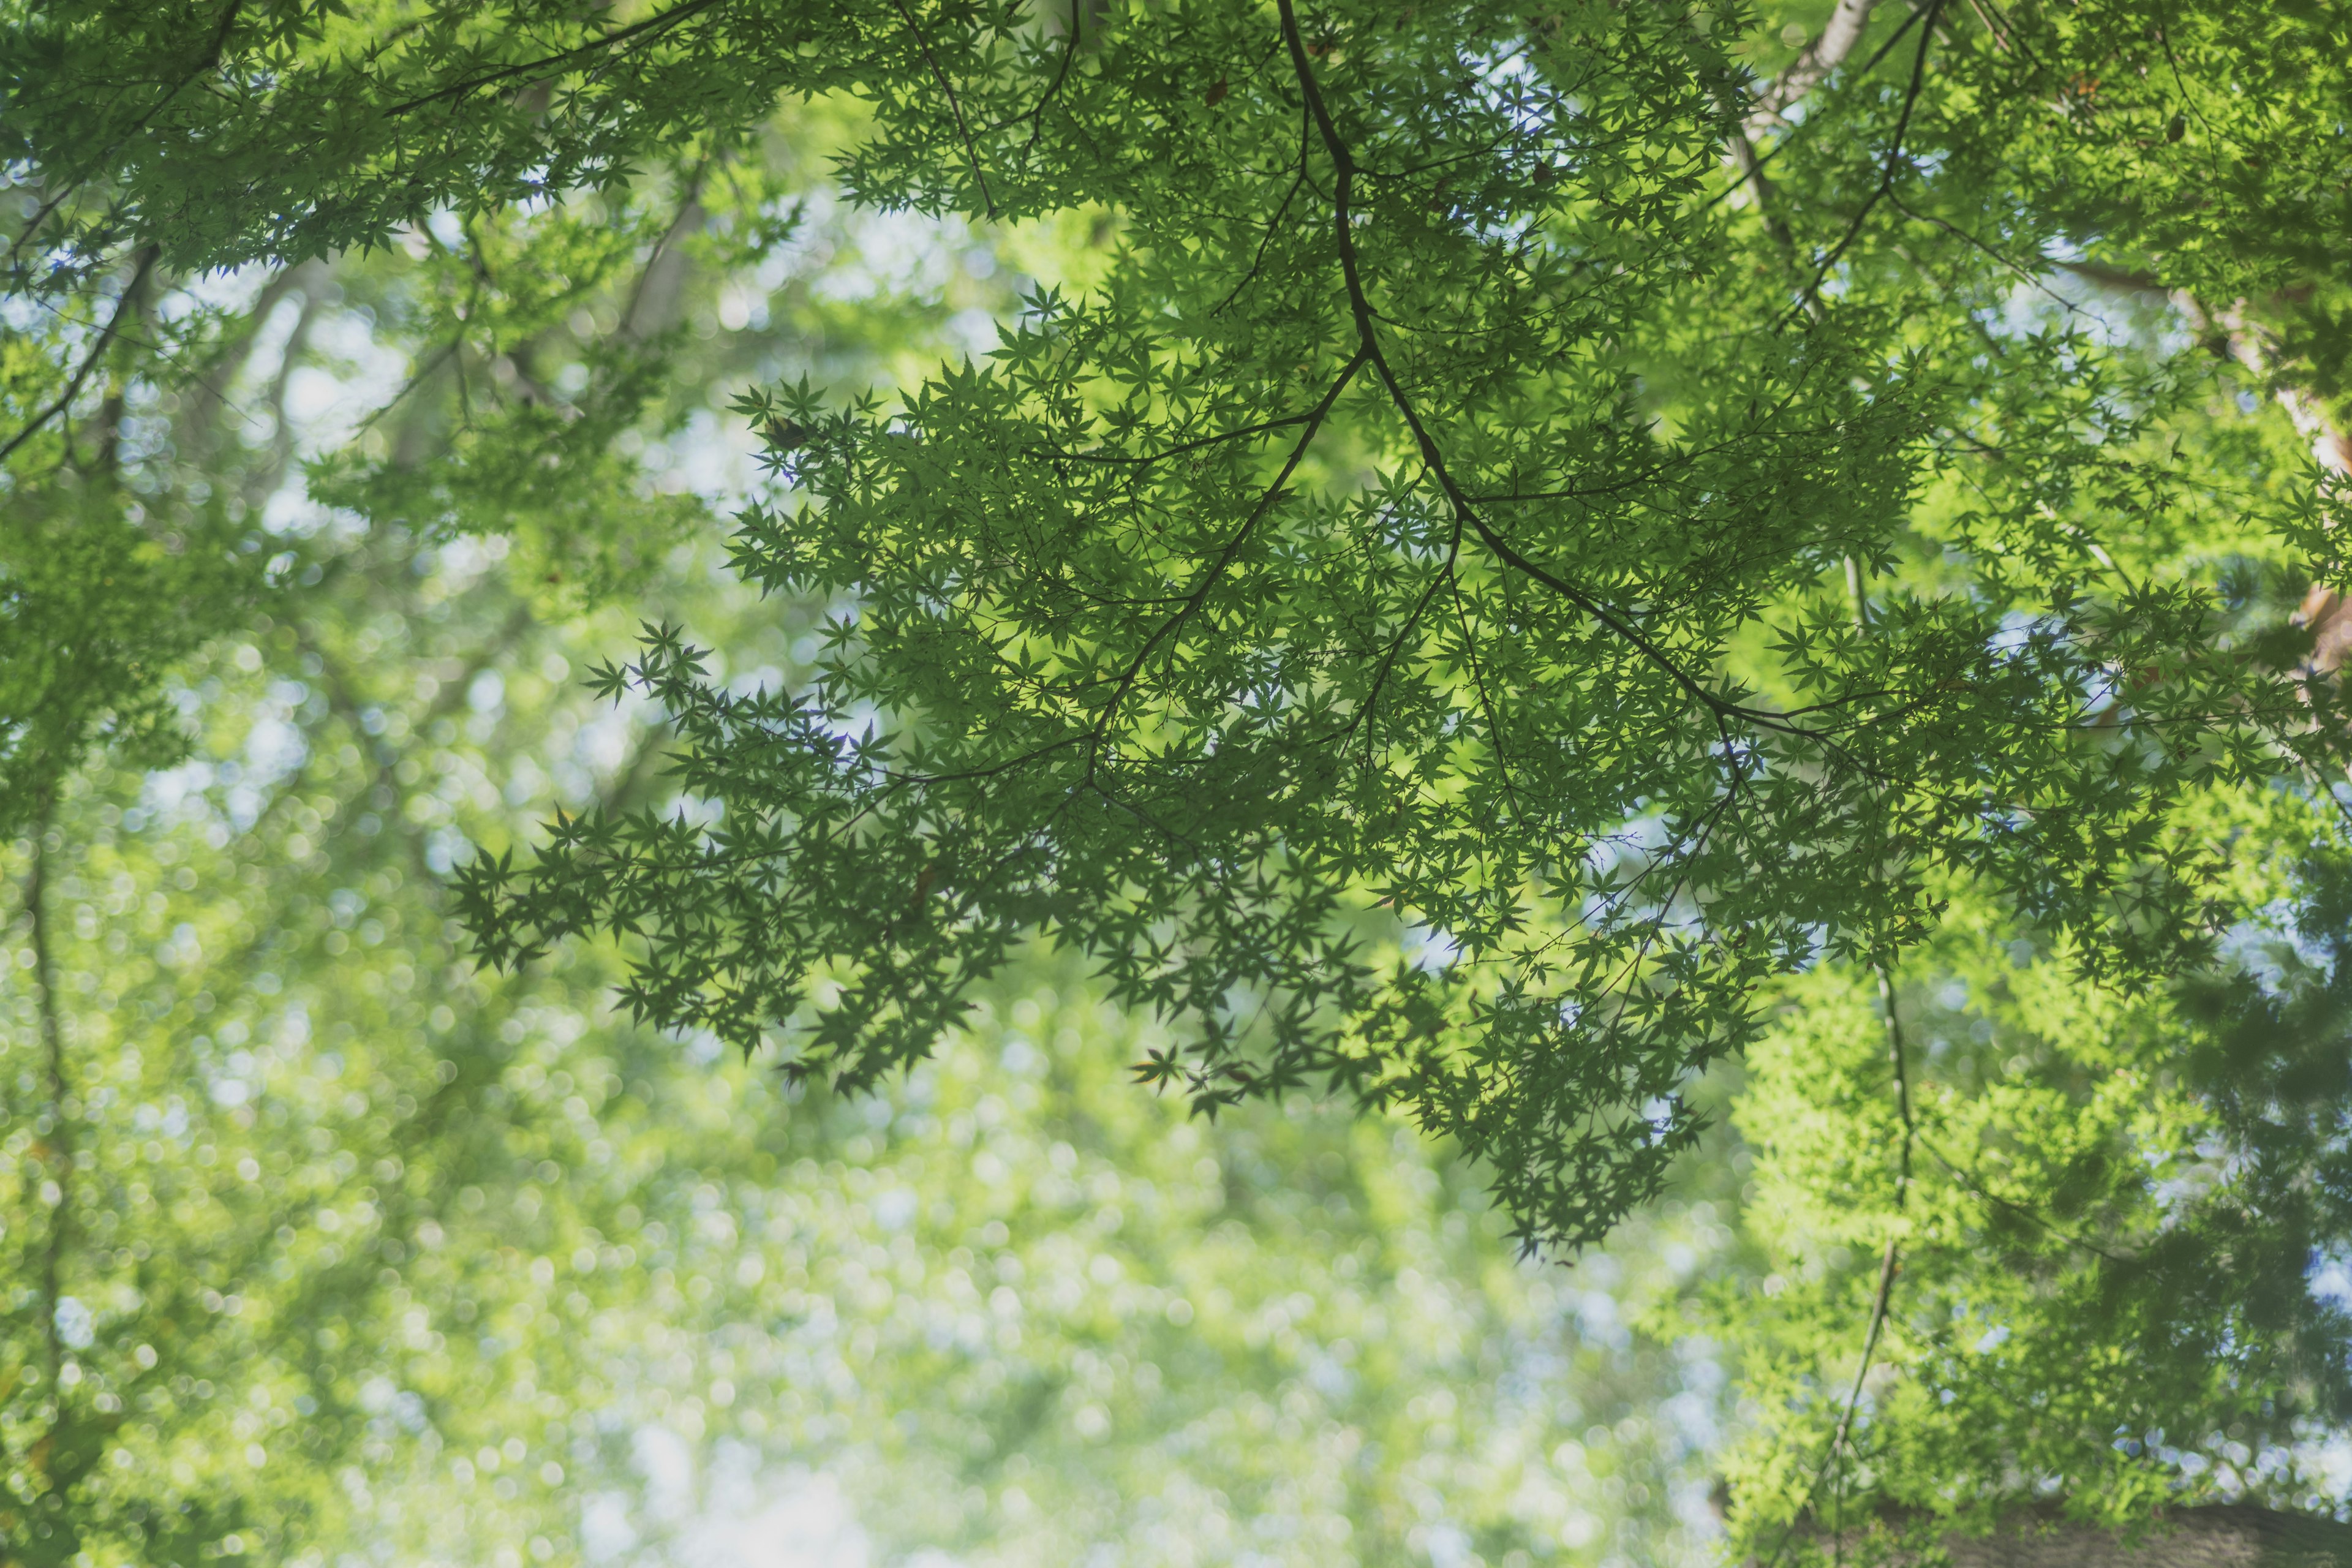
[(360, 1254)]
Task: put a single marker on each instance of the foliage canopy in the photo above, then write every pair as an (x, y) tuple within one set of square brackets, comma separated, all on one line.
[(1547, 548), (1445, 508), (318, 1243)]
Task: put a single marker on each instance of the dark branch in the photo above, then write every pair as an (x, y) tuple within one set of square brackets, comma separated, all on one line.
[(651, 26), (123, 309), (955, 105), (1893, 157), (1200, 443), (1216, 569), (1368, 337)]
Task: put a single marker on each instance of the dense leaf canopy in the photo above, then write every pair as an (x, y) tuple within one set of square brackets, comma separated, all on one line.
[(1508, 556), (1445, 508), (319, 1243), (1447, 511)]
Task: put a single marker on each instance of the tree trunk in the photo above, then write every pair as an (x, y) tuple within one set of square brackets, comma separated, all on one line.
[(2218, 1537)]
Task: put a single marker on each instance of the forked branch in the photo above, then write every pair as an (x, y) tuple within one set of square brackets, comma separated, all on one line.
[(1368, 351), (123, 306)]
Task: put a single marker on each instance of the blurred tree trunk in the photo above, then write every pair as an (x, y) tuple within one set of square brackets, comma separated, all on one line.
[(2213, 1537), (2221, 1537)]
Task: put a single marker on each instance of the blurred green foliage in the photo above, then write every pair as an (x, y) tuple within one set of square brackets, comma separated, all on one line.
[(369, 1258), (322, 1246)]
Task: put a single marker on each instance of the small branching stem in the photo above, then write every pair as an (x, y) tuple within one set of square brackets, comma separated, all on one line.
[(59, 1164), (1899, 1057)]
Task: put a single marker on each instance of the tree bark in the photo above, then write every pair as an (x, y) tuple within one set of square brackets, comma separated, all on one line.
[(2216, 1537), (1844, 28), (2238, 335), (2323, 611)]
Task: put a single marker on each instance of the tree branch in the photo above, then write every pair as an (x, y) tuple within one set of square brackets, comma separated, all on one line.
[(1894, 155), (1902, 1080), (1216, 569), (1840, 34), (651, 24), (1368, 338), (123, 307), (1744, 157), (955, 105), (59, 1158)]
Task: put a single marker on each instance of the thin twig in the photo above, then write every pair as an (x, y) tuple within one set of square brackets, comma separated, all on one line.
[(1036, 116), (1975, 1184), (123, 307), (2033, 279), (1894, 154), (1199, 443), (59, 1160), (1273, 224), (1890, 1263), (1216, 569), (1368, 337), (955, 105), (668, 19), (1745, 134)]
